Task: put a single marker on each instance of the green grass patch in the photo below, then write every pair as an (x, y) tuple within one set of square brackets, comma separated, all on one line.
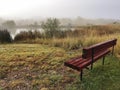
[(35, 67)]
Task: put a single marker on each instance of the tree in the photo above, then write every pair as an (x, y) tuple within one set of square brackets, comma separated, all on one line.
[(5, 36), (51, 27)]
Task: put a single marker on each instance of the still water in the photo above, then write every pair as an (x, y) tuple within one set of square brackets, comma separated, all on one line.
[(18, 30)]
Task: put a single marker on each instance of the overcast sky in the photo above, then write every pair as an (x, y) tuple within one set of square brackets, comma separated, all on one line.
[(60, 8)]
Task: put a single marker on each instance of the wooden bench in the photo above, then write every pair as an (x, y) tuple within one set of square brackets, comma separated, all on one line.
[(90, 55)]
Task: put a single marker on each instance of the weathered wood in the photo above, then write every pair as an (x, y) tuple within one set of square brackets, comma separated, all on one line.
[(87, 52), (90, 55)]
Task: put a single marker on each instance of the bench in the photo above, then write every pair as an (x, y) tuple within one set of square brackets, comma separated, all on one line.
[(90, 55)]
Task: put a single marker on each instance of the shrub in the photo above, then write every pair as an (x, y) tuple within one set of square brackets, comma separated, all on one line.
[(28, 35), (5, 36)]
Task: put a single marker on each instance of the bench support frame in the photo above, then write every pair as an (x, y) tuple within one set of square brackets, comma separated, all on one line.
[(92, 58), (81, 74), (103, 60), (112, 50)]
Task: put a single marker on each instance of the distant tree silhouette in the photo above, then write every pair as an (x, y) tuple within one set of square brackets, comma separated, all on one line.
[(5, 36), (51, 27)]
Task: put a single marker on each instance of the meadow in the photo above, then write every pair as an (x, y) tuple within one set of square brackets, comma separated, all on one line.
[(39, 65)]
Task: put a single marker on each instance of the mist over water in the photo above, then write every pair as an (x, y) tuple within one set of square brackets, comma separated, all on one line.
[(18, 30)]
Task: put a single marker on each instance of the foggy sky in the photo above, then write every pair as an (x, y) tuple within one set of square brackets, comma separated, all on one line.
[(60, 8)]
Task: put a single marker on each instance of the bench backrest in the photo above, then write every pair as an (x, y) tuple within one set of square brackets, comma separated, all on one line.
[(97, 48)]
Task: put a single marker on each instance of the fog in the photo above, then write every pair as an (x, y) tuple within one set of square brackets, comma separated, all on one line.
[(59, 8), (73, 12)]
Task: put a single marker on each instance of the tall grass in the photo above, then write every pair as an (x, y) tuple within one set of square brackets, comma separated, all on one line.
[(80, 37)]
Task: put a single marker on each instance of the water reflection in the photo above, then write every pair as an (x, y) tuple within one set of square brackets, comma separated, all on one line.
[(18, 30)]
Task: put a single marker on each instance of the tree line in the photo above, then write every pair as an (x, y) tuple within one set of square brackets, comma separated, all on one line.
[(51, 29)]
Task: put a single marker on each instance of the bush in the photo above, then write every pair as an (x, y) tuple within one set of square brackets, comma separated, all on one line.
[(27, 35), (5, 36)]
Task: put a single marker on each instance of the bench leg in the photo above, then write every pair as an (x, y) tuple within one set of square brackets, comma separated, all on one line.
[(103, 60), (91, 66), (112, 50), (81, 73)]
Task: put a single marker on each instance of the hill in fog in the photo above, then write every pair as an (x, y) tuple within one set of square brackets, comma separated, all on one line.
[(79, 21)]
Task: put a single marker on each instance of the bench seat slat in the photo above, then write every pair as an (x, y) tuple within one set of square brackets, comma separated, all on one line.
[(81, 63), (74, 59), (95, 59)]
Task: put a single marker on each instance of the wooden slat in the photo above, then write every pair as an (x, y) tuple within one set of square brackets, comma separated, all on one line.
[(85, 64), (79, 64), (113, 41), (87, 52)]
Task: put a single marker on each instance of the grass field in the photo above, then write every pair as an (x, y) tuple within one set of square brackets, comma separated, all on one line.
[(40, 67)]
